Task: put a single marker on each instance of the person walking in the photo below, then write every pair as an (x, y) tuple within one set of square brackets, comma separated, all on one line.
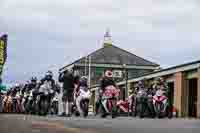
[(67, 79)]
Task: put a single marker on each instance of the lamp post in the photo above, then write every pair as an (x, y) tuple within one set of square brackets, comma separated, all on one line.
[(126, 80)]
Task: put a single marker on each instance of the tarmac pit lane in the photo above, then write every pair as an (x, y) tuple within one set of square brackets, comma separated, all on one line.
[(40, 127)]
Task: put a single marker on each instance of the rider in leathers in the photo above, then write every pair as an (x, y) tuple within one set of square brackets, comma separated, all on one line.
[(82, 85), (48, 79), (106, 81), (32, 87)]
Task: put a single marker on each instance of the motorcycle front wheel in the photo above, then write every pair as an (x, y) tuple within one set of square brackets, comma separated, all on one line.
[(85, 108), (102, 110), (158, 110), (141, 110), (1, 104), (114, 108), (55, 107)]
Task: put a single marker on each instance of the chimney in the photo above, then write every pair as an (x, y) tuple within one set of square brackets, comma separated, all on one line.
[(107, 39)]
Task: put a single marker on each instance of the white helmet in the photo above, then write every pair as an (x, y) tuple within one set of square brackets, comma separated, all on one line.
[(109, 74), (17, 85)]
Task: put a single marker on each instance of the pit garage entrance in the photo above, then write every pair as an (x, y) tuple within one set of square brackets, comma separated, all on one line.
[(192, 97)]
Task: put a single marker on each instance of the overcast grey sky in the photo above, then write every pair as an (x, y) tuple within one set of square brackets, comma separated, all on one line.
[(47, 34)]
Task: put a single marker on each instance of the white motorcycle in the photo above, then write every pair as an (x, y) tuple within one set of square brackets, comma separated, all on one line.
[(54, 103), (83, 99), (45, 91), (160, 102)]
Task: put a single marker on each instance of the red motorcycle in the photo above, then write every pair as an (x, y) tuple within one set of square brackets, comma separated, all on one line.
[(109, 101), (127, 107), (123, 107), (160, 102)]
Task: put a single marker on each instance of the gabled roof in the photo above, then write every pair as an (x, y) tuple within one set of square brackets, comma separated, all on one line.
[(114, 55), (167, 71)]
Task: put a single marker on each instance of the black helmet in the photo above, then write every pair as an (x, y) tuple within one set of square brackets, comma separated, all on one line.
[(33, 79), (49, 73), (83, 80)]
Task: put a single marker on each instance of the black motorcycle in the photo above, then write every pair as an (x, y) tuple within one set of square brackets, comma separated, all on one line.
[(25, 102), (54, 103), (31, 105), (144, 104), (1, 102), (44, 103), (44, 98)]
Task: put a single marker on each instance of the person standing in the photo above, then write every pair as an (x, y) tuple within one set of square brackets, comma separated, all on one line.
[(67, 79)]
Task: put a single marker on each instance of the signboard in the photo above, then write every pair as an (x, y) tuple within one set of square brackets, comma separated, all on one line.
[(117, 73), (3, 51), (99, 71)]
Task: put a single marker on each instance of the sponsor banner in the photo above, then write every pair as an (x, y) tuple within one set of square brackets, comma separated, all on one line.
[(3, 50), (99, 71), (117, 74)]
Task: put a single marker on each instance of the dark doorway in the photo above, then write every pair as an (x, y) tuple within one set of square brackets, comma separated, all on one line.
[(122, 92), (192, 97), (171, 91), (171, 96)]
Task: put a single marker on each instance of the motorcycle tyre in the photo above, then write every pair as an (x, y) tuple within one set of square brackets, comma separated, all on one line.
[(114, 111), (141, 110), (102, 111), (158, 113), (55, 108), (134, 109), (86, 106)]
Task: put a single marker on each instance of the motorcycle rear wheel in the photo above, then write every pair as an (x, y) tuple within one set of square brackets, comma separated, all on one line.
[(86, 106), (114, 110), (102, 111), (141, 110)]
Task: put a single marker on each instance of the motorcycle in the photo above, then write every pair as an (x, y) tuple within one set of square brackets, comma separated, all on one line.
[(54, 103), (24, 102), (31, 105), (18, 106), (14, 105), (123, 107), (132, 105), (141, 102), (85, 98), (7, 104), (109, 101), (1, 102), (160, 102), (44, 97), (82, 97), (144, 105)]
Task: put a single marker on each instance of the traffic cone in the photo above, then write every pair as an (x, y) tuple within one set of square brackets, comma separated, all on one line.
[(174, 112)]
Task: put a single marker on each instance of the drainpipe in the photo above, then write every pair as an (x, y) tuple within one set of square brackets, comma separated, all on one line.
[(89, 77)]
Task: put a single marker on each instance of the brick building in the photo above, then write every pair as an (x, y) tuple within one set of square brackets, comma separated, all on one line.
[(184, 83)]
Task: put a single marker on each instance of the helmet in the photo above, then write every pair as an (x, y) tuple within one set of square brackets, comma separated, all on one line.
[(109, 74), (83, 80), (17, 85), (141, 84), (49, 73), (33, 79)]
